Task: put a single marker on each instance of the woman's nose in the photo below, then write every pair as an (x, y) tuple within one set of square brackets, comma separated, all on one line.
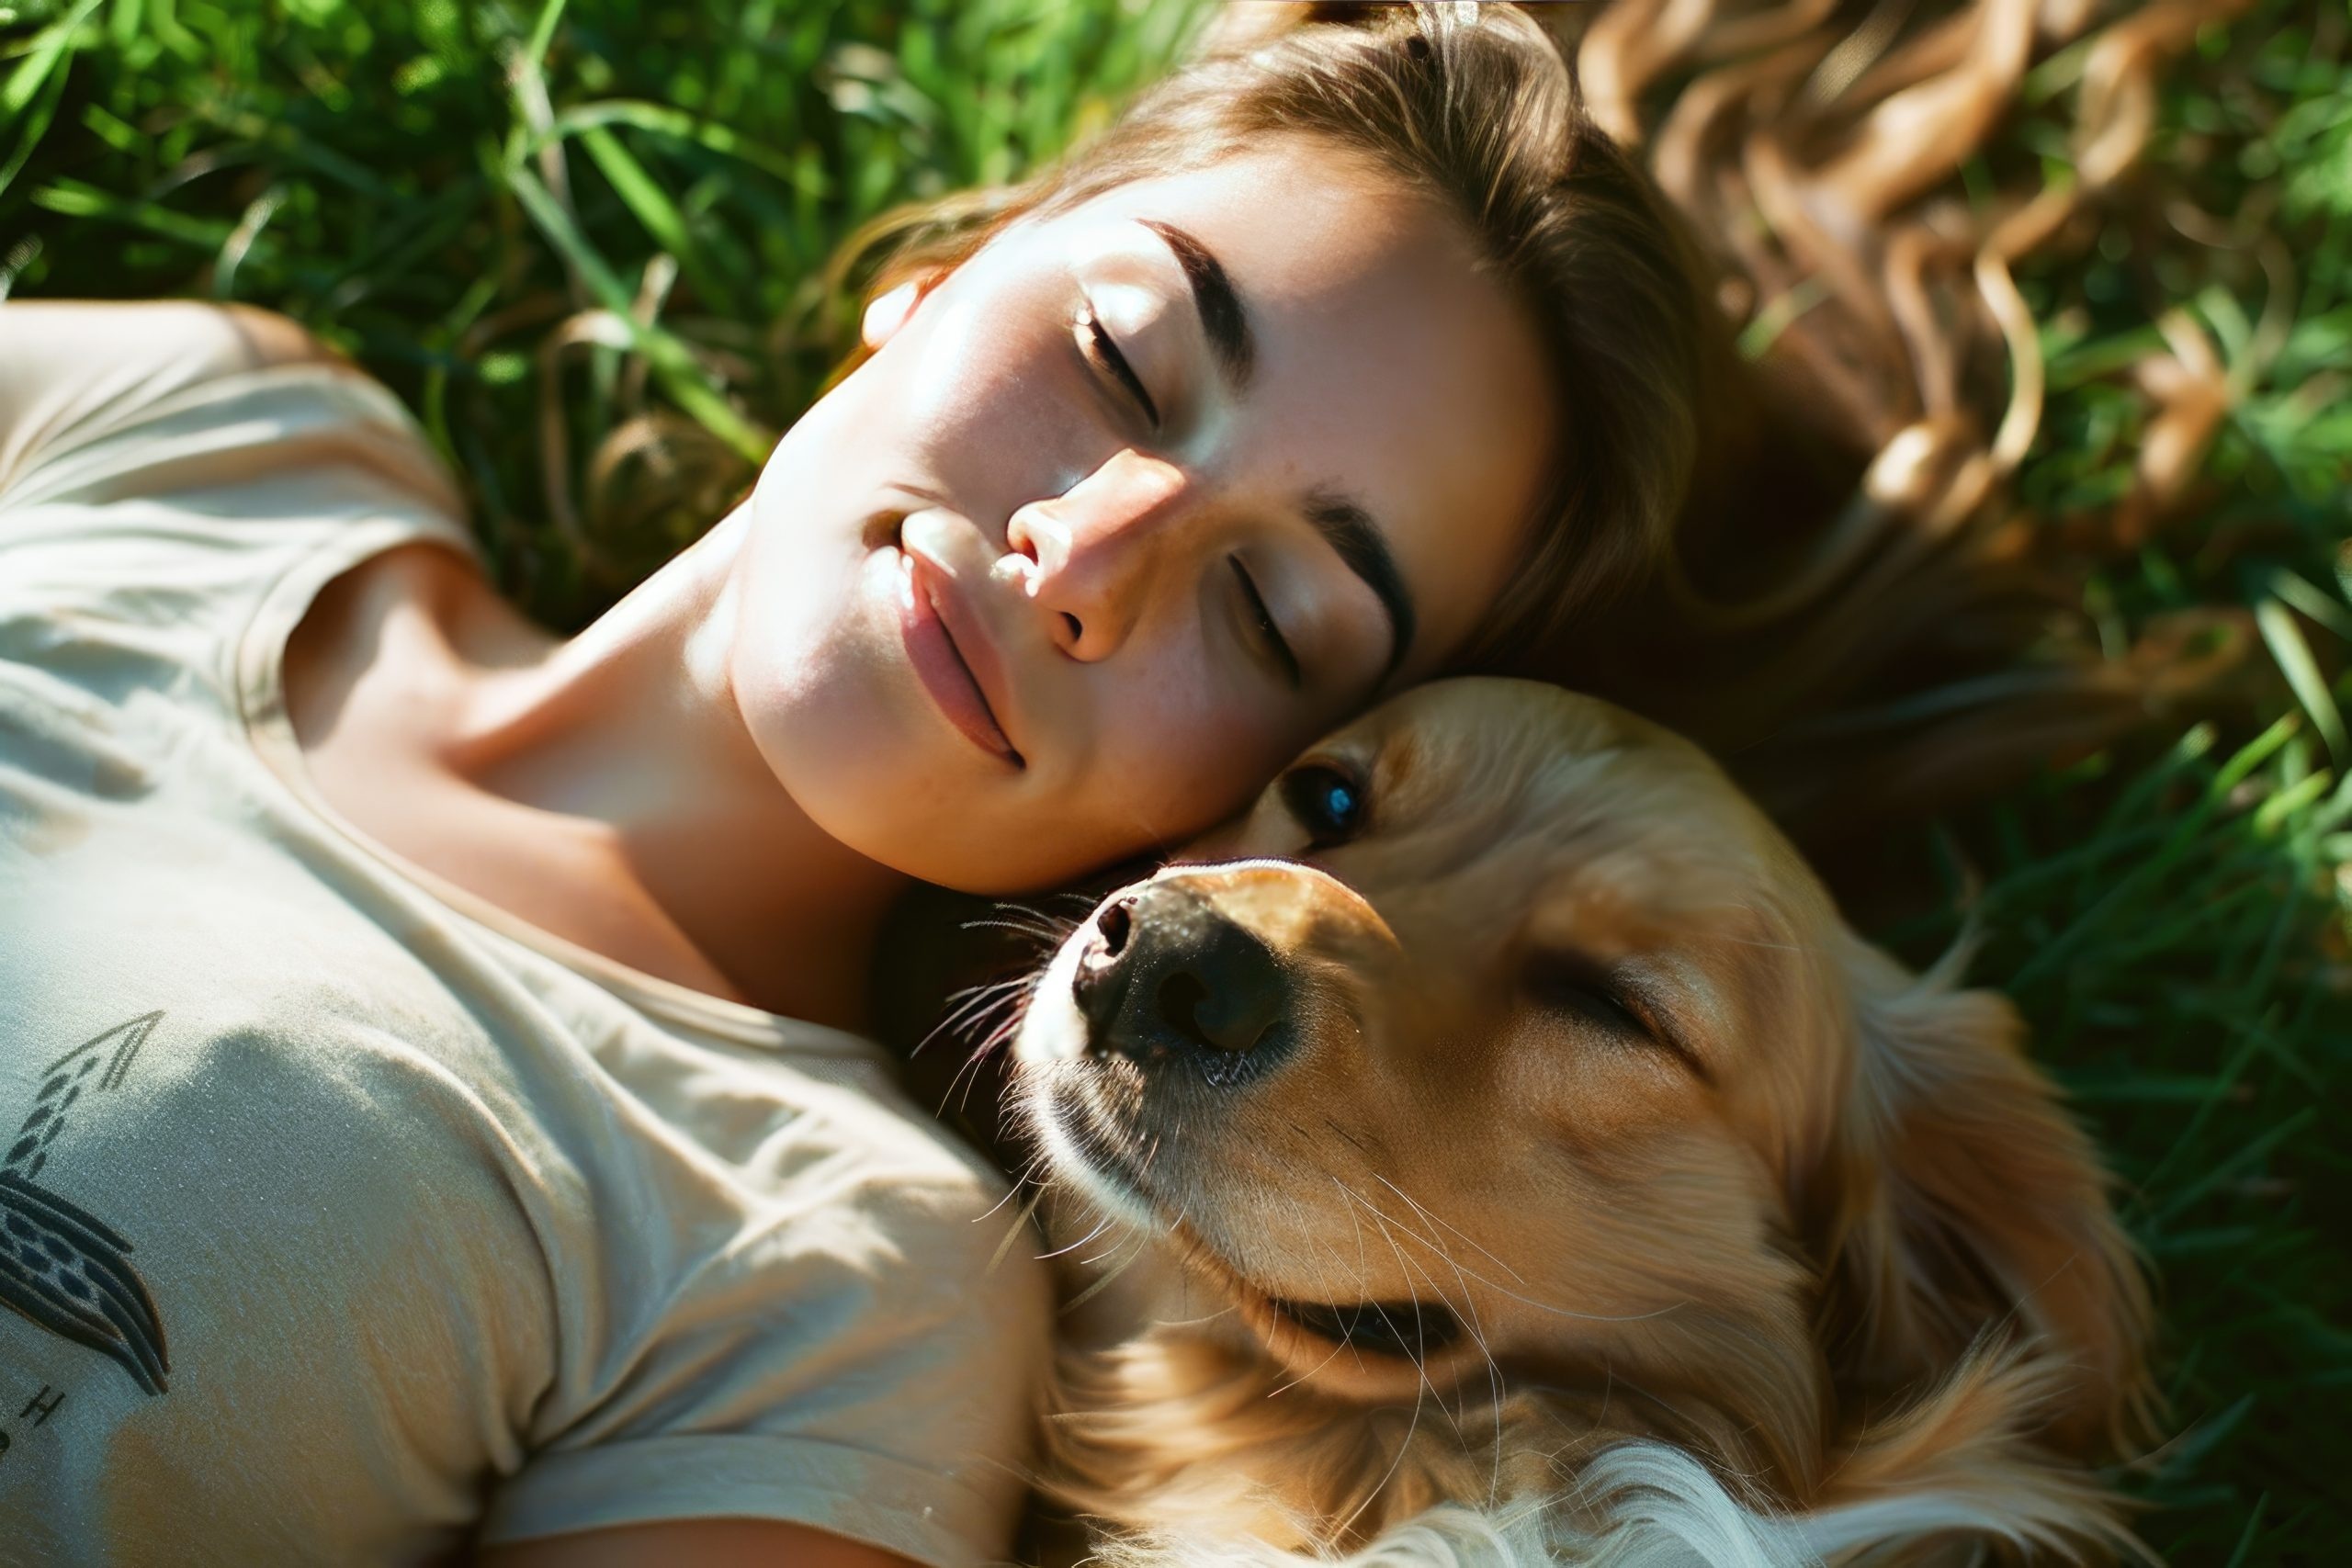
[(1096, 552)]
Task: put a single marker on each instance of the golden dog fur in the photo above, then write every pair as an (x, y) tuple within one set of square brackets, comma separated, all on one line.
[(1760, 1248)]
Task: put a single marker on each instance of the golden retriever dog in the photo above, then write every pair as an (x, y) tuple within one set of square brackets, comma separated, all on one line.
[(1533, 1167)]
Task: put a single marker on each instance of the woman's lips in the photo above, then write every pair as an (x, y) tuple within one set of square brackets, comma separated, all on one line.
[(941, 666)]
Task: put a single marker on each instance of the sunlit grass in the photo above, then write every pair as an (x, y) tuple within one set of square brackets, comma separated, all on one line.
[(544, 226)]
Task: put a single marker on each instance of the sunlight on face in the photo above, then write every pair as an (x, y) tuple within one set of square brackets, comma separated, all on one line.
[(1131, 505)]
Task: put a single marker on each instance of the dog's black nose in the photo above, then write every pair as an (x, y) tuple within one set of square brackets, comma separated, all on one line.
[(1165, 974)]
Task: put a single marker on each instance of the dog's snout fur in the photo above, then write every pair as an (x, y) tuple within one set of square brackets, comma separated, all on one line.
[(1168, 978)]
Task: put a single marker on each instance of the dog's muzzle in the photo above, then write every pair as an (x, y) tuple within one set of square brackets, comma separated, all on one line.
[(1167, 980)]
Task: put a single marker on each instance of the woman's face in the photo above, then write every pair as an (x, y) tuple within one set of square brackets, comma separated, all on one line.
[(1126, 510)]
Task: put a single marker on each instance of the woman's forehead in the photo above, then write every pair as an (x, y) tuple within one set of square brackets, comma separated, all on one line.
[(1384, 358), (1300, 214)]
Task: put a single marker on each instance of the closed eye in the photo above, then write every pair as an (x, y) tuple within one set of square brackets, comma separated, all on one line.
[(1261, 621), (1103, 350), (1574, 986)]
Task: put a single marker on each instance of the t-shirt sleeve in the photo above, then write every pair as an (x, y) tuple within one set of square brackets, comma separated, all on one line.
[(76, 369), (224, 415), (164, 466), (867, 1363)]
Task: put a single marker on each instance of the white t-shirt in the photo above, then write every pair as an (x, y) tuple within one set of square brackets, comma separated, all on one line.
[(342, 1215)]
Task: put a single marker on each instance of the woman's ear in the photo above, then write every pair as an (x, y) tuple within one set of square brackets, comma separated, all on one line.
[(1967, 1207), (886, 312)]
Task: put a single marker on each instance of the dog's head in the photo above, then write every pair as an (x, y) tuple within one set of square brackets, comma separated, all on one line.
[(1505, 1046)]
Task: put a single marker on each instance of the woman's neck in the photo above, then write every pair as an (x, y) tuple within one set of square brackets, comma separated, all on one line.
[(599, 787)]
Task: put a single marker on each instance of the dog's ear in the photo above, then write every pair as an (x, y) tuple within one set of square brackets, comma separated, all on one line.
[(1962, 1204)]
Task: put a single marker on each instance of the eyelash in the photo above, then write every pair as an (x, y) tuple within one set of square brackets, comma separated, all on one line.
[(1106, 351), (1263, 619)]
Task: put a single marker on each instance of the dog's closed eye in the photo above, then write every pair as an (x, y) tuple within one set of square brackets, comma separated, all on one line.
[(1569, 982), (1411, 1330), (1573, 984)]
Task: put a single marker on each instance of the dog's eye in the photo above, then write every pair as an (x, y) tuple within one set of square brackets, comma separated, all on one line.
[(1562, 983), (1413, 1330), (1575, 986), (1328, 803)]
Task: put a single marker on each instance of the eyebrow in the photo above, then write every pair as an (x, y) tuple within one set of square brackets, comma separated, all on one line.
[(1349, 529), (1345, 525), (1223, 316)]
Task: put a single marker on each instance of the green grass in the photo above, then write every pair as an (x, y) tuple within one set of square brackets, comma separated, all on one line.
[(541, 224), (439, 187)]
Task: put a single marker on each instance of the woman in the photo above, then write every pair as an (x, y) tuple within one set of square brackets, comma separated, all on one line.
[(442, 1112)]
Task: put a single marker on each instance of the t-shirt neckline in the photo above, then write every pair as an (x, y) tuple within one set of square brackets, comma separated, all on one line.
[(259, 677)]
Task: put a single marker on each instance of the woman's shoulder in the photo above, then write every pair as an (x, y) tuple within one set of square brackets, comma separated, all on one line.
[(163, 465), (80, 368), (216, 413)]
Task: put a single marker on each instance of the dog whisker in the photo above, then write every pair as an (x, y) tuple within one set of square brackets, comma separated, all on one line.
[(1468, 1314), (966, 1074), (1012, 995), (977, 1005), (1019, 1184), (1363, 1275), (1139, 1245), (1336, 1349), (1418, 1360), (1020, 1223), (1046, 928), (1513, 1295), (1412, 1426), (1387, 1219), (966, 1004), (1020, 927), (997, 1040), (1435, 1219), (1116, 1243)]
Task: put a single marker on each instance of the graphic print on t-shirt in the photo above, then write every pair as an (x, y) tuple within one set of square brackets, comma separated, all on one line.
[(60, 1265)]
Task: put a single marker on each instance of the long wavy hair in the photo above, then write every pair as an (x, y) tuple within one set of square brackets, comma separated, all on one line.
[(1475, 106), (1793, 370), (1920, 640)]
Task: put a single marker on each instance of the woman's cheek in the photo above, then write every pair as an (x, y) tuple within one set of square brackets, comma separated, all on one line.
[(1195, 764), (992, 413)]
